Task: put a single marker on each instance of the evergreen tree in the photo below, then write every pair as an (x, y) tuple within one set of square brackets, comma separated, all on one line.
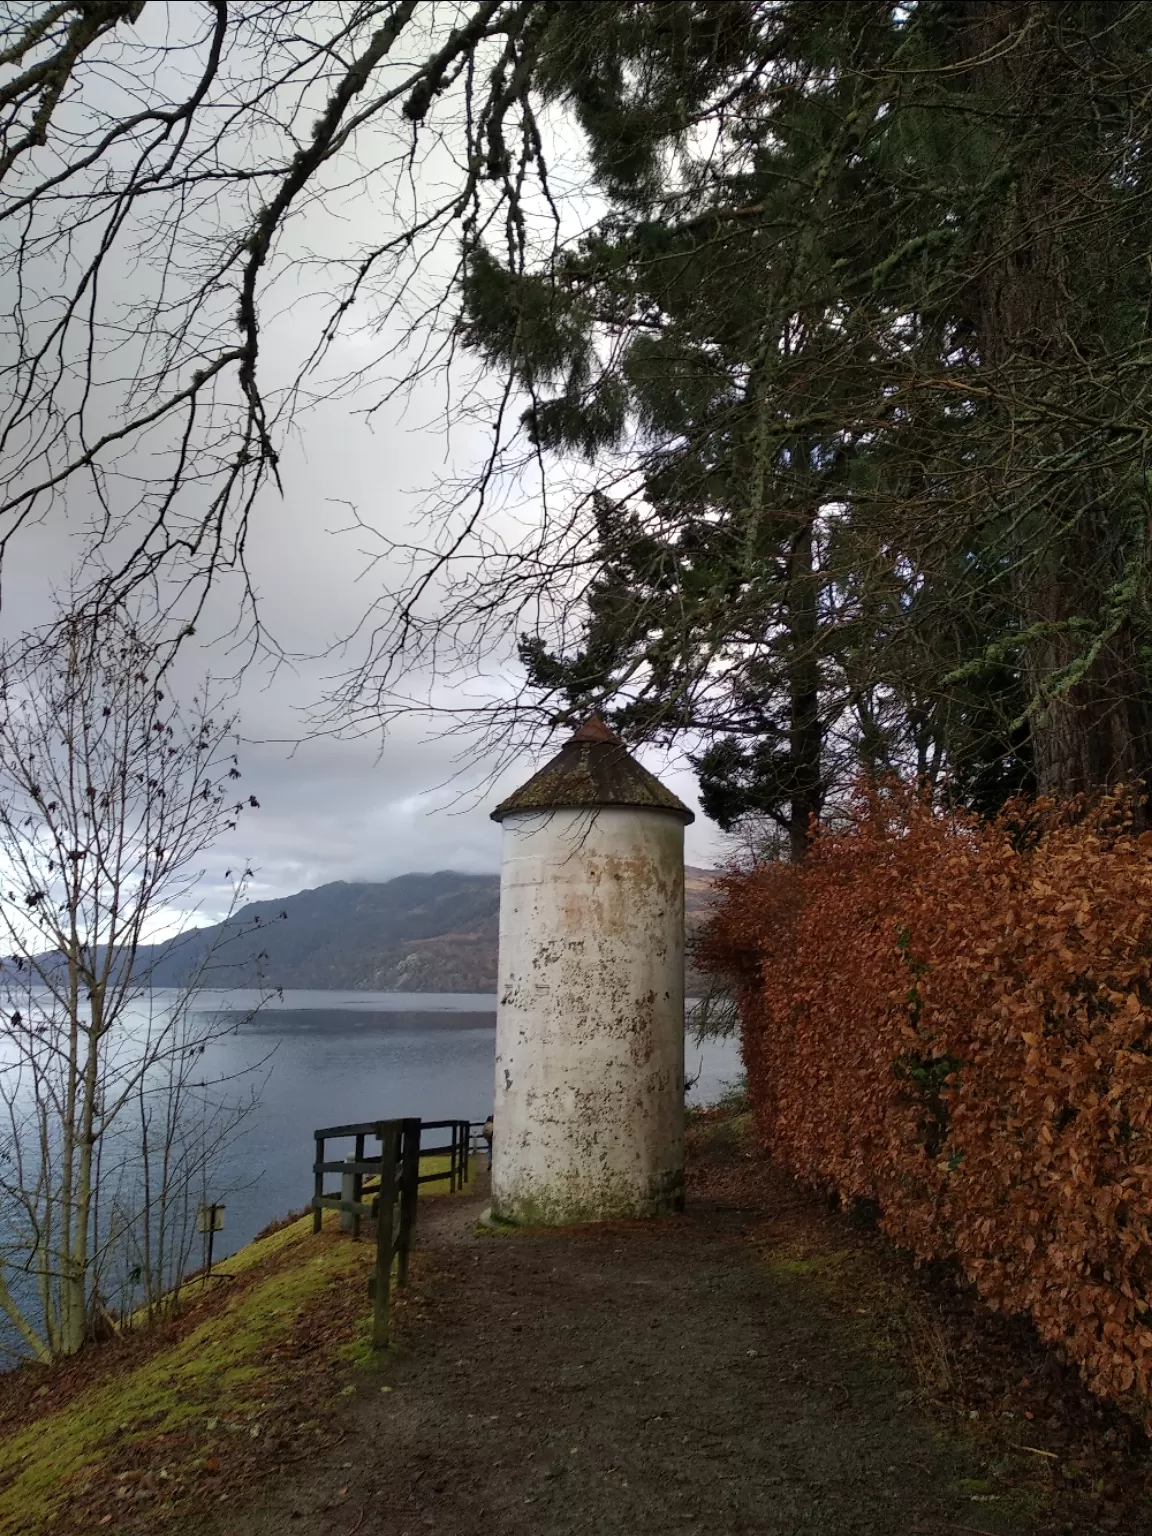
[(869, 314)]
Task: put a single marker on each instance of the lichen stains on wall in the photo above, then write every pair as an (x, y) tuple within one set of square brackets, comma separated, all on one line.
[(590, 1028)]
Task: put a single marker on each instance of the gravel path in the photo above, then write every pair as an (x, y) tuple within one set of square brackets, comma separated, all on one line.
[(642, 1379)]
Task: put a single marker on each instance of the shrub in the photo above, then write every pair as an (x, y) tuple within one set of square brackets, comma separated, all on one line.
[(954, 1019)]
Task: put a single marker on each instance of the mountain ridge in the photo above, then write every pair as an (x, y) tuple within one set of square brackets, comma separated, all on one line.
[(418, 932)]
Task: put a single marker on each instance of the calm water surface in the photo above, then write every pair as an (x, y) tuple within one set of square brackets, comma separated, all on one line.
[(330, 1058)]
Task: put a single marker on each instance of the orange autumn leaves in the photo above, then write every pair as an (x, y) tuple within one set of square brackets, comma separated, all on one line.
[(954, 1019)]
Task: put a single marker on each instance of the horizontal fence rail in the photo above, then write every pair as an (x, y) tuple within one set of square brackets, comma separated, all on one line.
[(457, 1150)]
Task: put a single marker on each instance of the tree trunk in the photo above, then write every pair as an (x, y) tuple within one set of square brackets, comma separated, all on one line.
[(61, 1329), (74, 1281), (1091, 723), (805, 737), (1094, 732)]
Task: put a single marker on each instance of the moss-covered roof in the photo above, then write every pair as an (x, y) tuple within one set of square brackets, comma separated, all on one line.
[(593, 768)]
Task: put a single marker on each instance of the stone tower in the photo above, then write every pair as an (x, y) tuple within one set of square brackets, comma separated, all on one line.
[(589, 1106)]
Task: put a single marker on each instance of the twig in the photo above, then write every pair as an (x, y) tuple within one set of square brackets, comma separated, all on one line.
[(358, 1524), (1036, 1451)]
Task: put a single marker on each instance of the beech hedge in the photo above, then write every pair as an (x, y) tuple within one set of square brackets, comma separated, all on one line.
[(954, 1019)]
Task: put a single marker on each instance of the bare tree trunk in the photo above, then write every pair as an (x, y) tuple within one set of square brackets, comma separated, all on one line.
[(108, 796), (77, 1275), (62, 1326)]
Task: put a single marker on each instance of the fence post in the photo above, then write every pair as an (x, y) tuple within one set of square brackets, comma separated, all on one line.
[(318, 1187), (352, 1189), (386, 1130), (466, 1132), (409, 1191)]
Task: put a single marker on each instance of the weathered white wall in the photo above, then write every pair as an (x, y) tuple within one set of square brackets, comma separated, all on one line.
[(589, 1108)]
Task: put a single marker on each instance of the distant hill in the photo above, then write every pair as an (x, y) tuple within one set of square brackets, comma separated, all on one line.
[(417, 933)]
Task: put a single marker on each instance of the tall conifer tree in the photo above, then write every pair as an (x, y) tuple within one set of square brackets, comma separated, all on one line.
[(869, 314)]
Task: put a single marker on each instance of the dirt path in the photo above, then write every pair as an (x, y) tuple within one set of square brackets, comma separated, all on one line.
[(647, 1379)]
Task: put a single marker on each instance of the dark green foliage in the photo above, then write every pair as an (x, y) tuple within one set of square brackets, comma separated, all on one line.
[(635, 73), (739, 779), (868, 317)]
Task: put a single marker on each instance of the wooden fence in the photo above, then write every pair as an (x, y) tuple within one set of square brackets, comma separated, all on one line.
[(458, 1150), (395, 1176)]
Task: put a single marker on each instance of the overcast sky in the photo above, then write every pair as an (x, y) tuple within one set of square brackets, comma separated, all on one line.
[(334, 809), (357, 810)]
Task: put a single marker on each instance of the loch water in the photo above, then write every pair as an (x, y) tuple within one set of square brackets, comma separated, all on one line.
[(333, 1058)]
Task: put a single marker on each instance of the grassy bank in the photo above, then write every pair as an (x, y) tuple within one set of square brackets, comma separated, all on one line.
[(234, 1384)]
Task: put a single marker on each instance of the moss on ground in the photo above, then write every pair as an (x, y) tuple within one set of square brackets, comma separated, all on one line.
[(441, 1165), (214, 1371), (219, 1371)]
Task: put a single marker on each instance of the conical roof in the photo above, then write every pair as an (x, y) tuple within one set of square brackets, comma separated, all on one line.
[(592, 768)]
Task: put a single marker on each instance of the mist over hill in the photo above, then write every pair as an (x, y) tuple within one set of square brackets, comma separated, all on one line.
[(416, 933)]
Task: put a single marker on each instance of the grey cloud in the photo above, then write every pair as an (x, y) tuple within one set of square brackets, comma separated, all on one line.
[(331, 809), (338, 811)]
